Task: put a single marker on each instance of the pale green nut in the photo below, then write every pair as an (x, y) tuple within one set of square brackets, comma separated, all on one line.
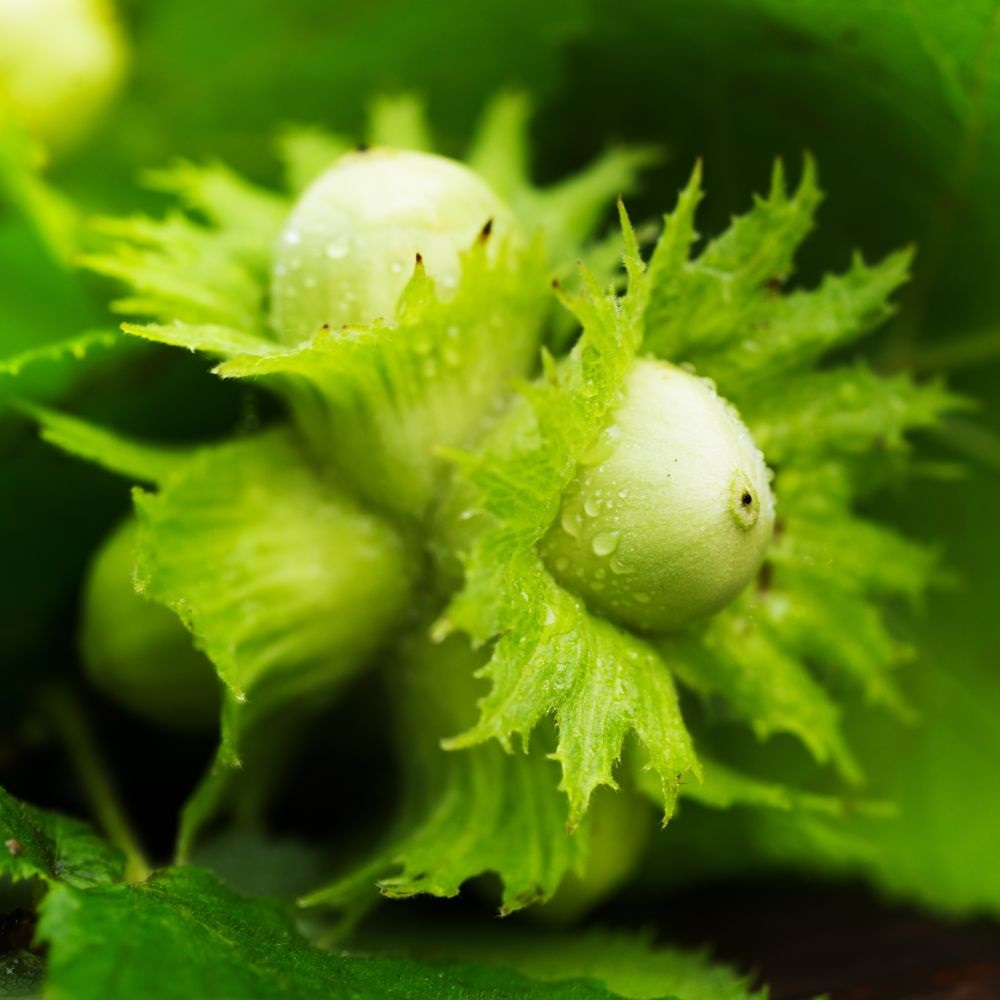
[(671, 511), (352, 241), (137, 652), (61, 62)]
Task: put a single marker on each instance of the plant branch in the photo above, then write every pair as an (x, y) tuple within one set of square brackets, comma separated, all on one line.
[(72, 727)]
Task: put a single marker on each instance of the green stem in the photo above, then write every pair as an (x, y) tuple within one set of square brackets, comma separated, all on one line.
[(958, 352), (71, 725), (975, 442)]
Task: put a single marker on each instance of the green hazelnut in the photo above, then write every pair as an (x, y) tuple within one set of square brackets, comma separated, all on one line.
[(352, 241), (61, 62), (137, 652), (671, 510)]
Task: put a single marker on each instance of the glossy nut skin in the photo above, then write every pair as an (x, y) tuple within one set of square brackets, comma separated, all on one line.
[(671, 511), (138, 652), (351, 242)]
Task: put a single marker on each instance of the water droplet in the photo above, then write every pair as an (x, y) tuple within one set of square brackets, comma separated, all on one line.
[(618, 566), (642, 597), (396, 267), (550, 615), (292, 236), (570, 522), (604, 543), (592, 506), (562, 564), (335, 250)]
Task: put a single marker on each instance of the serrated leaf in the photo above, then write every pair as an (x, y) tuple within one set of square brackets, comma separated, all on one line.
[(305, 586), (380, 401), (724, 787), (629, 965), (286, 550), (202, 273), (182, 934), (793, 331), (179, 270), (836, 629), (713, 299), (469, 813), (35, 843), (844, 411), (250, 215), (305, 583), (761, 682), (220, 341), (600, 683), (552, 657), (822, 539), (569, 212), (75, 347)]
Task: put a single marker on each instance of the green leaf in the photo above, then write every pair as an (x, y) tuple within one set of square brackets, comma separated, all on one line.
[(399, 121), (211, 272), (761, 683), (380, 401), (221, 341), (500, 151), (469, 813), (250, 215), (724, 787), (599, 681), (570, 211), (183, 934), (782, 333), (76, 347), (35, 843), (305, 586), (628, 965), (552, 657), (303, 580), (133, 459), (846, 411), (21, 975), (257, 864), (306, 151), (842, 631), (823, 540), (711, 301)]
